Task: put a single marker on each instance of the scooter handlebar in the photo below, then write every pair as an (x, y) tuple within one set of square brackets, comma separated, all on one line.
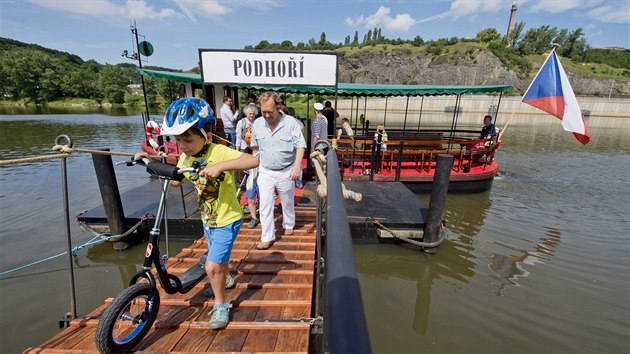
[(169, 171)]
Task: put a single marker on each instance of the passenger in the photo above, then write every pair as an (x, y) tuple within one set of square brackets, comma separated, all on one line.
[(191, 121), (345, 132), (251, 101), (244, 132), (381, 137), (243, 129), (279, 139), (229, 119), (319, 125), (291, 112), (488, 130), (331, 117)]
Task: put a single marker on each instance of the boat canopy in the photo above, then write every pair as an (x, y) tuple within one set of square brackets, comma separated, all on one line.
[(343, 89)]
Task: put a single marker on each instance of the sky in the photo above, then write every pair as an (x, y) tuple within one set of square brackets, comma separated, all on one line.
[(100, 29)]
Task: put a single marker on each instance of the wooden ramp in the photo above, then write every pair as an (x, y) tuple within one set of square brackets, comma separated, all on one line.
[(271, 299)]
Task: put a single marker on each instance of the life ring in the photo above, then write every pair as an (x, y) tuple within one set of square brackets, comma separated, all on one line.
[(153, 126)]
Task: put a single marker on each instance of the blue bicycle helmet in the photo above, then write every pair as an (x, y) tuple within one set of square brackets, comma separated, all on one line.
[(185, 113)]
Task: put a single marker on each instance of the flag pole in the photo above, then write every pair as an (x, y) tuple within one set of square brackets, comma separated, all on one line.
[(555, 46)]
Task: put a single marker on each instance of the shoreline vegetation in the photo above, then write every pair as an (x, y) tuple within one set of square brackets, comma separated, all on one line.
[(32, 73)]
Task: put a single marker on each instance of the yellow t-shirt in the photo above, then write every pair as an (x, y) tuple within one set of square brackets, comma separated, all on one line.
[(217, 199)]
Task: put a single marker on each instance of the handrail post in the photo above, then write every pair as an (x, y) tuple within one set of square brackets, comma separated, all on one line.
[(66, 211)]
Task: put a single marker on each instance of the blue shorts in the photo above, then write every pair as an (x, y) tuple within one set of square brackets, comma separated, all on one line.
[(220, 241), (251, 193)]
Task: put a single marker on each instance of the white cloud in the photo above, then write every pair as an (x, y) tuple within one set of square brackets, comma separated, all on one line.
[(460, 8), (207, 8), (399, 23), (463, 8), (557, 6), (138, 9), (609, 13)]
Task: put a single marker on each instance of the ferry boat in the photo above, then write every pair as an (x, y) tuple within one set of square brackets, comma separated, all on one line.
[(408, 155)]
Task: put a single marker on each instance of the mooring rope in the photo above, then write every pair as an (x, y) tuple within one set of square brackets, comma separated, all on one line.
[(66, 151), (322, 189), (97, 239), (407, 239)]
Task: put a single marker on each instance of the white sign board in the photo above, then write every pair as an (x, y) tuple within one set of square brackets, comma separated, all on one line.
[(268, 68)]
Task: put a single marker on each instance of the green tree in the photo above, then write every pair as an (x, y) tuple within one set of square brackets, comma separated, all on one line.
[(113, 83), (286, 44), (488, 35), (537, 40), (517, 33), (355, 41), (417, 41), (322, 39), (262, 45), (574, 46)]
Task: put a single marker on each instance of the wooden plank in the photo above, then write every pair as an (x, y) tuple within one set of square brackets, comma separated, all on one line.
[(273, 291)]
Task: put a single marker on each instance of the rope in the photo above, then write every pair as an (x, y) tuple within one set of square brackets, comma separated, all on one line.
[(406, 239), (33, 159), (65, 151), (322, 189), (99, 238)]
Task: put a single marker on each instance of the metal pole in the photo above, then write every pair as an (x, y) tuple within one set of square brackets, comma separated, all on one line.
[(420, 115), (134, 30), (385, 113), (438, 199), (64, 190), (405, 122)]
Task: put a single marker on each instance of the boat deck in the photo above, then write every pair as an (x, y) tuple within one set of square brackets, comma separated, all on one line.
[(272, 301)]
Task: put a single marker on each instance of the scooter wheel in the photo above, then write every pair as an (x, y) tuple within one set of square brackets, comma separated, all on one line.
[(127, 319)]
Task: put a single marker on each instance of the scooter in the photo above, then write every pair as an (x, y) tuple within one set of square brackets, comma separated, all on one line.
[(129, 317)]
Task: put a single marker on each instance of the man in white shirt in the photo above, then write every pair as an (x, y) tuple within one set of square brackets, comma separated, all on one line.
[(278, 138), (229, 119)]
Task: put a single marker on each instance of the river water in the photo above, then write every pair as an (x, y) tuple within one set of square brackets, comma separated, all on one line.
[(540, 263)]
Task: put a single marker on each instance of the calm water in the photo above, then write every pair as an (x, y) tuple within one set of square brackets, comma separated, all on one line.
[(538, 264)]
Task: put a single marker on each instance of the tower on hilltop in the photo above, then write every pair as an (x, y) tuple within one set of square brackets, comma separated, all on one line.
[(511, 23)]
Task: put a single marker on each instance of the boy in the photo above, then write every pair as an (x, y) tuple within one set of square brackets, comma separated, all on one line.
[(191, 121)]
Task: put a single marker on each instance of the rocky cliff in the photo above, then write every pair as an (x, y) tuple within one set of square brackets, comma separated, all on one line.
[(471, 67)]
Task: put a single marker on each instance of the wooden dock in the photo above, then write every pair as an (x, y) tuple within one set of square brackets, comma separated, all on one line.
[(272, 301)]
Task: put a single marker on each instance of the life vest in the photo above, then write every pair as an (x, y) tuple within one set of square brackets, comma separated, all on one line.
[(153, 126)]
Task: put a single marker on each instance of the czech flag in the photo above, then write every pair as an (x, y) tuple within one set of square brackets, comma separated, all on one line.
[(551, 92)]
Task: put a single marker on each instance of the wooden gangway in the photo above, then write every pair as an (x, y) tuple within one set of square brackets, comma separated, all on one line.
[(272, 301)]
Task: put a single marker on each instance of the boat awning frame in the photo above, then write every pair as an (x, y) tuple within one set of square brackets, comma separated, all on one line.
[(344, 89)]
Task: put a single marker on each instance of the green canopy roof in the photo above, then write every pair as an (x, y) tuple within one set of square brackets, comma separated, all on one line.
[(172, 75), (344, 89)]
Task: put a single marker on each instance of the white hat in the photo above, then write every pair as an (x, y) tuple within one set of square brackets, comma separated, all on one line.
[(318, 106)]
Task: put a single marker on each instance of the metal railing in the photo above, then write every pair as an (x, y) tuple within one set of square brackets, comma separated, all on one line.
[(345, 328)]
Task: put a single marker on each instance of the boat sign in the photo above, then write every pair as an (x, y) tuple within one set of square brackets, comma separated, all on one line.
[(269, 68)]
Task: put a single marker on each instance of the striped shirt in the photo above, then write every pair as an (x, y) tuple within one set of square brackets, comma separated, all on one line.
[(319, 128)]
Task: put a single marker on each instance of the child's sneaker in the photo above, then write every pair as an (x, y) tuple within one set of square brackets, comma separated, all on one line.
[(252, 223), (219, 316)]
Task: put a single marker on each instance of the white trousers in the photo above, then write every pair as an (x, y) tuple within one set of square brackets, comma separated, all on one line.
[(268, 182)]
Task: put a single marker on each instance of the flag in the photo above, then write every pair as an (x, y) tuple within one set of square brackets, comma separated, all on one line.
[(551, 92)]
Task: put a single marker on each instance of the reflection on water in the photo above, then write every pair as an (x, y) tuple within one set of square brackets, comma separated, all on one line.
[(537, 264), (69, 110), (529, 259)]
